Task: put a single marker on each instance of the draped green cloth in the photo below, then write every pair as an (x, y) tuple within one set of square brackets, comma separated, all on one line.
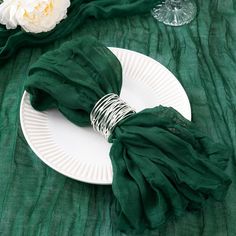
[(35, 200), (162, 164), (78, 12)]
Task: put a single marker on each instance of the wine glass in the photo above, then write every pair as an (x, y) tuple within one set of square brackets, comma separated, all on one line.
[(175, 12)]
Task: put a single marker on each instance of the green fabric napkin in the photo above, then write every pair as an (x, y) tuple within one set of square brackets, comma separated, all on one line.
[(163, 166), (79, 11)]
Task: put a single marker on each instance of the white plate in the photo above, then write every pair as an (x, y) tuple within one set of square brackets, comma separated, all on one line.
[(82, 154)]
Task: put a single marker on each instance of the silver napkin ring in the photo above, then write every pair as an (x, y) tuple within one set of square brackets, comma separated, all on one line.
[(107, 112)]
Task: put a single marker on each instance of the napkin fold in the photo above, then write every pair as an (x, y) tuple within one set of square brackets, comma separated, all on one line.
[(162, 164)]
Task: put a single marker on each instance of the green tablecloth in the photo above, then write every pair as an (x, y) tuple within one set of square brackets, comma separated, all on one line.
[(36, 200)]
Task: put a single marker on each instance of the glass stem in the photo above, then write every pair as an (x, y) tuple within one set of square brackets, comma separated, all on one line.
[(174, 4)]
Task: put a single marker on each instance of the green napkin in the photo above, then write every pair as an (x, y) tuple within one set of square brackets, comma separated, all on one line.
[(163, 165), (79, 11)]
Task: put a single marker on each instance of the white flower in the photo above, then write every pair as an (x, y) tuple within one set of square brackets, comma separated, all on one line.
[(34, 16)]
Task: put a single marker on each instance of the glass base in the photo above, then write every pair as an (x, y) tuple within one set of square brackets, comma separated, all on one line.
[(177, 15)]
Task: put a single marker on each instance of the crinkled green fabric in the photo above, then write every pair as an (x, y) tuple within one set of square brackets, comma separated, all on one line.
[(78, 12), (84, 70), (163, 166), (36, 200)]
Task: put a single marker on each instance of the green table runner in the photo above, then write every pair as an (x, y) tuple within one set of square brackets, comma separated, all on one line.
[(36, 200), (78, 12)]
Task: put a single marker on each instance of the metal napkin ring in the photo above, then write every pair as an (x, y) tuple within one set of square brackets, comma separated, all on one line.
[(107, 112)]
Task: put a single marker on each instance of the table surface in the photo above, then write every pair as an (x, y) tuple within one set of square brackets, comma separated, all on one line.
[(36, 200)]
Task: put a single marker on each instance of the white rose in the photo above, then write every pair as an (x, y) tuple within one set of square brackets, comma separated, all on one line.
[(34, 16)]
